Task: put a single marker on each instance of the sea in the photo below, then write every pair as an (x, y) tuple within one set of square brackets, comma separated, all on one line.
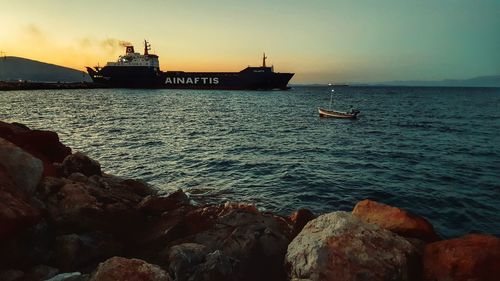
[(432, 151)]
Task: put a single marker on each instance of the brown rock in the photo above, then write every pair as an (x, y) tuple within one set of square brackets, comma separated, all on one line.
[(155, 205), (118, 268), (22, 168), (395, 219), (44, 145), (299, 219), (76, 251), (472, 257), (41, 272), (80, 163), (15, 211), (11, 275), (338, 246)]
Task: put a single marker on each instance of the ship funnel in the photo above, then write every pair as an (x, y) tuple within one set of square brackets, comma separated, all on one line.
[(264, 60), (129, 49)]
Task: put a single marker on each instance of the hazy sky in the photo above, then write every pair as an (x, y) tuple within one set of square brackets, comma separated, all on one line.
[(319, 40)]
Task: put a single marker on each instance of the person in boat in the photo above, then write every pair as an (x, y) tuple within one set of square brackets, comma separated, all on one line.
[(351, 110)]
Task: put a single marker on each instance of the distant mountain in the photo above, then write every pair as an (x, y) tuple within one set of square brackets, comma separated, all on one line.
[(482, 81), (16, 68)]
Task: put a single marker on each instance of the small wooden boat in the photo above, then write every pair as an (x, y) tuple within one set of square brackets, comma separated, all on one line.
[(338, 114)]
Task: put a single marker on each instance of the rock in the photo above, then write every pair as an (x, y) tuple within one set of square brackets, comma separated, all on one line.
[(12, 275), (217, 266), (77, 251), (118, 268), (394, 219), (193, 262), (255, 239), (299, 219), (69, 203), (78, 177), (41, 272), (17, 210), (44, 145), (68, 276), (338, 246), (154, 205), (22, 168), (80, 163), (183, 259), (472, 257)]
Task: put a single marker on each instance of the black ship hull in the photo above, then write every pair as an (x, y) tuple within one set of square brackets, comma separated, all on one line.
[(258, 78)]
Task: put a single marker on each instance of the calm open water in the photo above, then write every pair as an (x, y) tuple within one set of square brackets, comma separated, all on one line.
[(433, 151)]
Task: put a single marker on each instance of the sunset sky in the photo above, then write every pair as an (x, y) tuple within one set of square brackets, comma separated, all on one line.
[(320, 40)]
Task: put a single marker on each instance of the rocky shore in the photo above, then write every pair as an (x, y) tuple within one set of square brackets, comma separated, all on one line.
[(63, 218), (25, 85)]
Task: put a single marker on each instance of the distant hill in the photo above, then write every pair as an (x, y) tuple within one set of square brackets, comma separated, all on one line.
[(482, 81), (16, 68)]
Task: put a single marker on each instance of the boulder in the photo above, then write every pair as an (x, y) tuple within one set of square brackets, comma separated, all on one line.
[(299, 219), (256, 240), (184, 258), (118, 268), (80, 163), (12, 275), (69, 276), (44, 145), (472, 257), (156, 205), (22, 168), (68, 204), (395, 219), (338, 246), (15, 214), (76, 251), (41, 272)]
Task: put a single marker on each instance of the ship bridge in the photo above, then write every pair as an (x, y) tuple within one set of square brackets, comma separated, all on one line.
[(132, 58)]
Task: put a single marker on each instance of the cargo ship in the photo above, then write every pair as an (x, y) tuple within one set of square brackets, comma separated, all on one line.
[(134, 70)]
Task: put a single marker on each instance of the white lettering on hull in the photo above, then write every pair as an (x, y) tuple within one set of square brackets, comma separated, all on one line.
[(192, 80)]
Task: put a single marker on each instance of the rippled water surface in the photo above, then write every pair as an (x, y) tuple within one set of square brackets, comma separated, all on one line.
[(434, 151)]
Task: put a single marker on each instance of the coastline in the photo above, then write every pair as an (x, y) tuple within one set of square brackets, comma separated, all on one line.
[(61, 214)]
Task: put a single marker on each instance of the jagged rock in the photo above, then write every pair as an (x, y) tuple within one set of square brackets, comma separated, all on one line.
[(80, 163), (23, 169), (118, 268), (104, 203), (15, 212), (75, 251), (154, 205), (68, 204), (184, 258), (218, 266), (338, 246), (472, 257), (395, 219), (69, 276), (257, 240), (12, 275), (41, 272), (79, 177), (299, 219), (44, 145), (193, 262)]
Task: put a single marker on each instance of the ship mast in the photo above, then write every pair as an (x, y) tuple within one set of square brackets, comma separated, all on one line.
[(264, 60), (147, 47)]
